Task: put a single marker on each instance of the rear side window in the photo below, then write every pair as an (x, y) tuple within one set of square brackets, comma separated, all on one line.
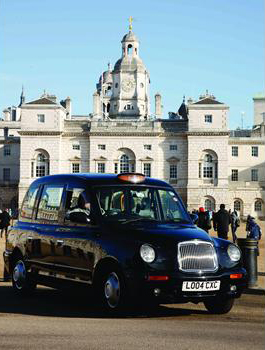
[(50, 203), (28, 203)]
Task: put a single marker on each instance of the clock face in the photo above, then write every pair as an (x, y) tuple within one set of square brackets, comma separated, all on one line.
[(127, 84)]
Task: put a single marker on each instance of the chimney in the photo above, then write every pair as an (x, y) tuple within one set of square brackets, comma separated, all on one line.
[(158, 106), (68, 107)]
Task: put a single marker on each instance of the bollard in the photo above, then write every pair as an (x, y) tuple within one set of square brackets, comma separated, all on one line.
[(249, 249)]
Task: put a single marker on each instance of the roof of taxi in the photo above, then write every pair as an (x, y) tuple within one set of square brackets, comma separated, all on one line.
[(97, 179)]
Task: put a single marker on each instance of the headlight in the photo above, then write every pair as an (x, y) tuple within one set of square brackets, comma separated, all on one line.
[(147, 253), (233, 252)]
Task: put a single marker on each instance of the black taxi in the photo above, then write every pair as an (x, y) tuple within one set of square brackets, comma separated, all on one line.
[(126, 236)]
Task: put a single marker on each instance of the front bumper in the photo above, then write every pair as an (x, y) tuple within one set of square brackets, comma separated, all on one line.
[(170, 291)]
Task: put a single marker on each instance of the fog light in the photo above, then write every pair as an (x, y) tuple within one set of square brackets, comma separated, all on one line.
[(233, 288), (157, 292)]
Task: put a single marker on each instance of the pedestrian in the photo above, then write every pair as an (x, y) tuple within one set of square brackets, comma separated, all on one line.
[(221, 221), (4, 222), (204, 221), (235, 223), (253, 229)]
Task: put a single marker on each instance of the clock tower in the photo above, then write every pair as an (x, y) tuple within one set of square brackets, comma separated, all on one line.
[(130, 83)]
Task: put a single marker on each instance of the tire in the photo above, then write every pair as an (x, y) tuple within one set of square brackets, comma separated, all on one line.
[(21, 281), (111, 290), (219, 305)]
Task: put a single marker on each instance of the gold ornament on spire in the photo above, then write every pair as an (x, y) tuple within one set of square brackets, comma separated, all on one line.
[(130, 25)]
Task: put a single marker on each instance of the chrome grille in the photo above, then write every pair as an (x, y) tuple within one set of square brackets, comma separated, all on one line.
[(197, 256)]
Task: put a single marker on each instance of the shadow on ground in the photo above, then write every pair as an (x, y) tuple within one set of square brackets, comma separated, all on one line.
[(56, 303)]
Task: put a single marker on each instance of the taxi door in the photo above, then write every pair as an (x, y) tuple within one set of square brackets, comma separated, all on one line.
[(76, 246)]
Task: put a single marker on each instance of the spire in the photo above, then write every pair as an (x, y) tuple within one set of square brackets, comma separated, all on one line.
[(22, 97), (183, 110), (130, 25)]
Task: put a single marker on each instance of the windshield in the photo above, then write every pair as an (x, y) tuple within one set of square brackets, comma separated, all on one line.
[(140, 203)]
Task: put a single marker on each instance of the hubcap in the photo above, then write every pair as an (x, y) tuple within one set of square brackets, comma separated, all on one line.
[(112, 290), (19, 274)]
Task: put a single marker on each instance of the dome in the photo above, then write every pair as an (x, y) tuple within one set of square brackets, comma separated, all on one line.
[(129, 64), (107, 77), (129, 37)]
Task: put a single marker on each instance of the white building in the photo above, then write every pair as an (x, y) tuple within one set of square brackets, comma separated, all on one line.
[(206, 162)]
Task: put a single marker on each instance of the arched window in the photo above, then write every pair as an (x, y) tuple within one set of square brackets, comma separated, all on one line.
[(129, 49), (209, 204), (258, 205), (125, 161), (40, 165), (124, 164), (208, 167), (237, 205)]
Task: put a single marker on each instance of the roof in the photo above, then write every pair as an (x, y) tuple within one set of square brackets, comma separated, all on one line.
[(129, 37), (42, 101), (95, 180), (208, 101)]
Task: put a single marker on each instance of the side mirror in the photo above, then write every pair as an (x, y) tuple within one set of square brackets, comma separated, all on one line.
[(79, 217), (194, 218)]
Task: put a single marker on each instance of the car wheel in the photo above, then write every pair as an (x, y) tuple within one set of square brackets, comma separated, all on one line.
[(112, 291), (219, 305), (21, 281)]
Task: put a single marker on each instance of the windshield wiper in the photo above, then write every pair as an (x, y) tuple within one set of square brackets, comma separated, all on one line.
[(126, 221), (178, 221)]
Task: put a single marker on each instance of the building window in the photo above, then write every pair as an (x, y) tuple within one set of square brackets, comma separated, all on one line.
[(173, 147), (234, 176), (209, 204), (6, 174), (255, 151), (200, 170), (101, 168), (173, 174), (237, 206), (76, 146), (208, 118), (7, 150), (41, 118), (75, 167), (116, 167), (148, 147), (254, 175), (235, 151), (102, 147), (147, 169), (258, 205), (42, 165), (116, 85), (208, 172)]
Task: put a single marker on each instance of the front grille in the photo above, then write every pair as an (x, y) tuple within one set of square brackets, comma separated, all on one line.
[(197, 256)]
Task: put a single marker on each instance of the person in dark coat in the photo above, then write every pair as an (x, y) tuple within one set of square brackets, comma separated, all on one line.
[(221, 221), (253, 229), (204, 221), (235, 223), (4, 221)]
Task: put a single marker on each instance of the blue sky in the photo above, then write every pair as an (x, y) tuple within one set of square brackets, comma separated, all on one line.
[(188, 46)]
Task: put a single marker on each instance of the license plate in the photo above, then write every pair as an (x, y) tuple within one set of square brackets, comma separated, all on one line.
[(202, 286)]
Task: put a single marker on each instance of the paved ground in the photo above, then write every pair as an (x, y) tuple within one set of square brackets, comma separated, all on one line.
[(241, 233), (50, 319)]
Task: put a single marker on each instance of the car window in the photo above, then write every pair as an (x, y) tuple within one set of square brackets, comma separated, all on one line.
[(28, 202), (50, 202), (171, 206)]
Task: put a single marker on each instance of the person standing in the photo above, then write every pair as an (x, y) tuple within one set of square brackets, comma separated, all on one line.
[(235, 223), (221, 221), (204, 221), (4, 222)]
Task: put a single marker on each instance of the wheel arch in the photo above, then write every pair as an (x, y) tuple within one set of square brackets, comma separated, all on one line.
[(103, 265)]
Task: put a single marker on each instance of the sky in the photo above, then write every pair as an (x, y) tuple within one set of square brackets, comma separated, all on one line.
[(188, 47)]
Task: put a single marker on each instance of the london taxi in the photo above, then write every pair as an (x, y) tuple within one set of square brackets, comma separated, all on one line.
[(127, 237)]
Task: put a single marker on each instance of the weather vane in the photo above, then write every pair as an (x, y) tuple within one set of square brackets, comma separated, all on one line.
[(130, 25)]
